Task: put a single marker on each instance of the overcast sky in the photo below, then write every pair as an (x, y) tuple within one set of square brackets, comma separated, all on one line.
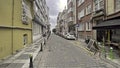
[(55, 6)]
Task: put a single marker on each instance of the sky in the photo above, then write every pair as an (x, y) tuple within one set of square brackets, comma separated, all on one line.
[(55, 6)]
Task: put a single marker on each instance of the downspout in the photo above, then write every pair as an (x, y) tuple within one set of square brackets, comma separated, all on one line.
[(12, 24)]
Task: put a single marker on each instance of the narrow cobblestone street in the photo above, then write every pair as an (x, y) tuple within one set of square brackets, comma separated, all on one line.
[(61, 53)]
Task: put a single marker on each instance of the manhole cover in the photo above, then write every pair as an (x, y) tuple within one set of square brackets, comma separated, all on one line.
[(23, 56)]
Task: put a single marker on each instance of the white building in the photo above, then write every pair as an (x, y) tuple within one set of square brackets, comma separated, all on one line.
[(41, 19)]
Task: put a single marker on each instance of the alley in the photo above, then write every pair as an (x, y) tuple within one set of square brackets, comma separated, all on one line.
[(61, 53)]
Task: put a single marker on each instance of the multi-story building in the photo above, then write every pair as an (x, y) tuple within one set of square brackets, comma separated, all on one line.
[(108, 25), (41, 23), (15, 25), (71, 16), (84, 15), (97, 17), (62, 26), (58, 23)]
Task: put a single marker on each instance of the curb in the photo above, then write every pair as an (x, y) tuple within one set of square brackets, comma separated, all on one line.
[(109, 61), (101, 57)]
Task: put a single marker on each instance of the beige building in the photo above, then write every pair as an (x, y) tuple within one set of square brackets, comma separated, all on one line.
[(15, 25)]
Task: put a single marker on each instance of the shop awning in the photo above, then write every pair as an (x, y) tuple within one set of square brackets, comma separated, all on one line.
[(109, 24)]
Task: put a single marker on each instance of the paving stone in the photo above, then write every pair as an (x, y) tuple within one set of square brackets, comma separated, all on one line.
[(4, 65), (15, 65), (23, 56), (33, 50)]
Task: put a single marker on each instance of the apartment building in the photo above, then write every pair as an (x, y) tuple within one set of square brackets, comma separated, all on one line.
[(97, 17), (64, 22), (41, 23), (84, 17), (15, 25), (62, 27), (109, 24), (71, 16), (58, 23)]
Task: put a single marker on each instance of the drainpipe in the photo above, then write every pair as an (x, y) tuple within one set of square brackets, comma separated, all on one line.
[(12, 23), (108, 35)]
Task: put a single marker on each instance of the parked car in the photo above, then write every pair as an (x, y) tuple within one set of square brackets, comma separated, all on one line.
[(70, 37)]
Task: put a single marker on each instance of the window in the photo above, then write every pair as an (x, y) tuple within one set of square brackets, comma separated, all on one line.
[(99, 4), (25, 39), (117, 5), (88, 26), (81, 14), (88, 9), (81, 27)]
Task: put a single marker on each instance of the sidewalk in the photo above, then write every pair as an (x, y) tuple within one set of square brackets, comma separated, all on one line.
[(115, 62), (21, 59)]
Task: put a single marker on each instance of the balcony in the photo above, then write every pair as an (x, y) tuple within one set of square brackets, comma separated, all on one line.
[(69, 10), (98, 12), (70, 19)]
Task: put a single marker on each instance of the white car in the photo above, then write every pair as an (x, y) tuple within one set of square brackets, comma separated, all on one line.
[(70, 37)]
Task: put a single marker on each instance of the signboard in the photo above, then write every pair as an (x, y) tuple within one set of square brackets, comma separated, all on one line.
[(92, 45)]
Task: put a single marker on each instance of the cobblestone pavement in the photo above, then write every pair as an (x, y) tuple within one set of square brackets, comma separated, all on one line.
[(61, 53)]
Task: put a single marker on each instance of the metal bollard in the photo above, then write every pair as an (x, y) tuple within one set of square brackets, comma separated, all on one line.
[(31, 62), (111, 53), (41, 49)]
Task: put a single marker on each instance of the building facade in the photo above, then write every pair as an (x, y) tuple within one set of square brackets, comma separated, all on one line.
[(97, 17), (107, 20), (113, 15), (15, 25), (41, 23), (62, 26), (84, 12), (71, 16)]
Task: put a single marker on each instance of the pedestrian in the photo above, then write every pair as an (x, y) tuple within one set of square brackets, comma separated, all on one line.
[(49, 34), (44, 40)]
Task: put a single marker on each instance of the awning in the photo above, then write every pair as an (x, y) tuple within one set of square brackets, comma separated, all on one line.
[(109, 24)]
